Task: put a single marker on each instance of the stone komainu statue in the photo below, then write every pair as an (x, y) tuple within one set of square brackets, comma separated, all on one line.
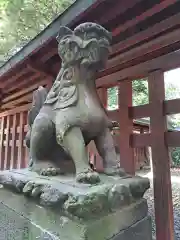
[(71, 115)]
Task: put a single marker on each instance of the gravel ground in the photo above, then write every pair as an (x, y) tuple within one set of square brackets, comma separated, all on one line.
[(175, 173)]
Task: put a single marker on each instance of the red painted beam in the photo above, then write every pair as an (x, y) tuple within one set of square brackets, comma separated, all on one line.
[(165, 62), (150, 12), (151, 49), (148, 34), (26, 98), (24, 83), (117, 9), (173, 139), (23, 91), (13, 78)]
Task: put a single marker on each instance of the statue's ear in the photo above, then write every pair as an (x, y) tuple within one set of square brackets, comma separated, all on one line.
[(63, 32)]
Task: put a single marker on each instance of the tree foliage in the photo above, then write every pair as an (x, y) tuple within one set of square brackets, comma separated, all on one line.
[(112, 98), (175, 153), (21, 20), (140, 92)]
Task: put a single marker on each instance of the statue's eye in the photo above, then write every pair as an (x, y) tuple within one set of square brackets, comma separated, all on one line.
[(62, 43), (65, 38)]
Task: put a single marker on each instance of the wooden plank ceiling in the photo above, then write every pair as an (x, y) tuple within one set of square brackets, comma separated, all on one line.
[(143, 30)]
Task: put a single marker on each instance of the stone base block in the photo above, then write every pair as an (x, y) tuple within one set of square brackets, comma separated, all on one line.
[(34, 207), (21, 219), (138, 231)]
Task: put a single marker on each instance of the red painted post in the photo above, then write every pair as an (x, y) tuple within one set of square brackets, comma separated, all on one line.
[(160, 159), (7, 144), (20, 142), (2, 144), (13, 145), (126, 127)]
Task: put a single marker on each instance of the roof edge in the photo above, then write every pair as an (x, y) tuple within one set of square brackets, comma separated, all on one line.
[(66, 18)]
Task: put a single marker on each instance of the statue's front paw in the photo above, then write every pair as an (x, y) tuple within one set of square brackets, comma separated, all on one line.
[(89, 177)]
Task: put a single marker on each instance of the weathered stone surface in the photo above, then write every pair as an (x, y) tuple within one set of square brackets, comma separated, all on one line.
[(84, 201), (138, 231), (53, 197), (13, 226), (21, 219)]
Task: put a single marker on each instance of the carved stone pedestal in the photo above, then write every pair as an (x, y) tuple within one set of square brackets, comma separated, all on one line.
[(59, 208)]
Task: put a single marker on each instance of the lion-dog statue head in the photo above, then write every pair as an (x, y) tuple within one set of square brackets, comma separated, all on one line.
[(87, 45)]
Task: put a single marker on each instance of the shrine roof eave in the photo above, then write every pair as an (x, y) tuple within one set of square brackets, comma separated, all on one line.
[(67, 18)]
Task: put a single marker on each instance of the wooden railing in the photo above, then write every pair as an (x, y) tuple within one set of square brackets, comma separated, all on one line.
[(159, 139), (13, 127), (140, 153)]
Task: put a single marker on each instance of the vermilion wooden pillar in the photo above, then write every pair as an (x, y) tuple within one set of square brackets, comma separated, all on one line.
[(126, 127), (20, 142), (2, 143), (7, 144), (13, 144), (160, 159)]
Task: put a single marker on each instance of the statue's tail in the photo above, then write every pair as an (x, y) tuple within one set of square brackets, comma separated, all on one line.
[(39, 97)]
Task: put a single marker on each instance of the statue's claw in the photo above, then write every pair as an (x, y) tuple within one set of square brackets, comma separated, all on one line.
[(89, 177), (51, 171), (32, 189), (45, 168)]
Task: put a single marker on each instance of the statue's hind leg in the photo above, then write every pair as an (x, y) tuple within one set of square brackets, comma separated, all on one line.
[(27, 141), (41, 146), (105, 146), (74, 143)]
